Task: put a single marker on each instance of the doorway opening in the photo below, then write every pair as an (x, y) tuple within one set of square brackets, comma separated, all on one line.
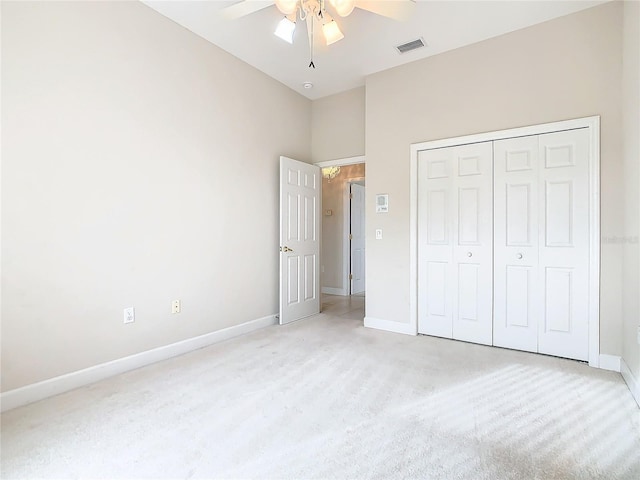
[(342, 256)]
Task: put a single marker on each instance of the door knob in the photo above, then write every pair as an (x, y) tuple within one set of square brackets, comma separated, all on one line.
[(469, 254), (519, 256), (286, 249)]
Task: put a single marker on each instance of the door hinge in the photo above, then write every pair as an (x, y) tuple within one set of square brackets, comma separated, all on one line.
[(351, 195), (350, 237), (351, 276)]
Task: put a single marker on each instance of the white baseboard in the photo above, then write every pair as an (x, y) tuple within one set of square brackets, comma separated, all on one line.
[(610, 362), (389, 326), (334, 291), (70, 381), (632, 382)]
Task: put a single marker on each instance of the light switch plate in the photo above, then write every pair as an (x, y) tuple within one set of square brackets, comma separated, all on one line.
[(379, 234)]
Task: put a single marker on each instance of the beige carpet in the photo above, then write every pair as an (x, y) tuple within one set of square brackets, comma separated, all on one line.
[(327, 398)]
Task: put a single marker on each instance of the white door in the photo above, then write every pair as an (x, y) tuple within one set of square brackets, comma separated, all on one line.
[(516, 295), (435, 242), (455, 231), (300, 190), (564, 244), (357, 238), (542, 243)]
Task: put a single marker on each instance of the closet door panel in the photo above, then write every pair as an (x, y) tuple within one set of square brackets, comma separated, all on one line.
[(435, 233), (564, 243), (516, 243), (473, 242), (518, 301)]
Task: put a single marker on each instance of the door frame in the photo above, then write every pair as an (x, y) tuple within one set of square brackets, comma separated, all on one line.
[(341, 162), (593, 125)]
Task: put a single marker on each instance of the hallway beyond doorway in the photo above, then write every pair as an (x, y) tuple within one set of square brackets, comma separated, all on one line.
[(351, 307)]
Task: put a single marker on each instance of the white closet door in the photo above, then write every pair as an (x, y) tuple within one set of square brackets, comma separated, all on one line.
[(564, 243), (473, 242), (435, 242), (455, 242), (516, 295), (541, 272)]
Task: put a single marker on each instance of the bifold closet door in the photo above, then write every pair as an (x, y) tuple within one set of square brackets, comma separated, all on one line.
[(564, 244), (541, 273), (516, 308), (455, 242)]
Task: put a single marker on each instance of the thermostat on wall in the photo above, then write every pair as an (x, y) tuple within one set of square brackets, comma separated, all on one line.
[(382, 203)]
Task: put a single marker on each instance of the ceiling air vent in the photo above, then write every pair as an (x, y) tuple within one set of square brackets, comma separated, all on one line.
[(412, 45)]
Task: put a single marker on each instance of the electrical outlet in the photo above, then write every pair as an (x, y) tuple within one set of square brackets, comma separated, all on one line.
[(175, 306), (129, 315)]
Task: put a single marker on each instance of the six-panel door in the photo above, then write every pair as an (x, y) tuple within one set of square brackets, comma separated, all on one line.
[(455, 238), (540, 243), (516, 296), (300, 190), (563, 238)]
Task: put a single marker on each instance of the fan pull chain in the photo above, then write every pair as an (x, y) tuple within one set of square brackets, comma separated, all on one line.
[(311, 37)]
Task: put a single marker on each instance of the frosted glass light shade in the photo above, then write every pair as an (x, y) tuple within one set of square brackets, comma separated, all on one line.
[(343, 7), (330, 172), (287, 6), (332, 32), (285, 30)]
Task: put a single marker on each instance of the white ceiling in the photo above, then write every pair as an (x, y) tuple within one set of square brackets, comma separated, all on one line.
[(369, 42)]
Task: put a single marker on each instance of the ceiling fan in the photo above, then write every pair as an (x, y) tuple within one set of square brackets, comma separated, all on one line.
[(315, 11)]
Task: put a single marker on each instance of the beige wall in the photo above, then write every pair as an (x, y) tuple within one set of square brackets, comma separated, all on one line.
[(333, 231), (566, 68), (337, 126), (139, 165), (631, 121)]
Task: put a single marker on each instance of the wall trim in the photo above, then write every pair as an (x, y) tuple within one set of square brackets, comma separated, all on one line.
[(70, 381), (335, 291), (389, 326), (631, 381), (593, 124), (610, 362), (339, 162)]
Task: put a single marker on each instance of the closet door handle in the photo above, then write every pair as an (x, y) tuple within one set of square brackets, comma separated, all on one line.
[(519, 256), (469, 254)]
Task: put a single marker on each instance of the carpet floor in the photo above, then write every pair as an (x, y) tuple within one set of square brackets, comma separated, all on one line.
[(326, 398)]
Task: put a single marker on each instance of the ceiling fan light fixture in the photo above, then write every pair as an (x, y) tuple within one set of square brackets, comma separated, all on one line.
[(285, 30), (343, 7), (332, 32), (287, 6)]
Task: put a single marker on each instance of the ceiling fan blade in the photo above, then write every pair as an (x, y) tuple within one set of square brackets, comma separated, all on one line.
[(396, 9), (245, 7)]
